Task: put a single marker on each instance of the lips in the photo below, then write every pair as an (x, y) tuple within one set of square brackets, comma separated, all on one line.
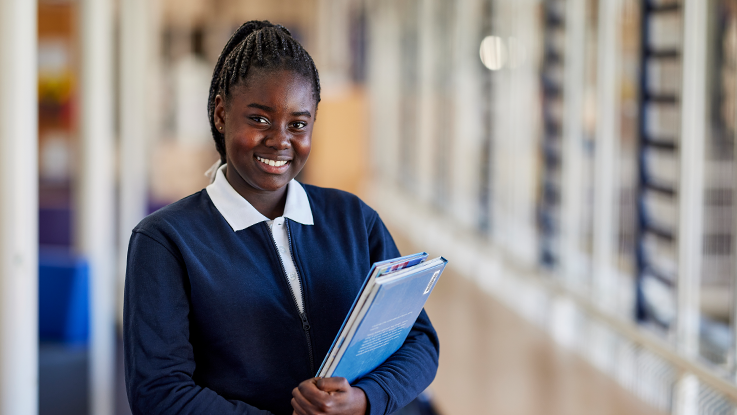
[(273, 166), (274, 163)]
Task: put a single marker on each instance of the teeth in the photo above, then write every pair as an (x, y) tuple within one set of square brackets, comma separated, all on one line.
[(271, 162)]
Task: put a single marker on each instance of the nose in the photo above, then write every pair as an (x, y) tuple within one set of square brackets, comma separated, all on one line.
[(278, 138)]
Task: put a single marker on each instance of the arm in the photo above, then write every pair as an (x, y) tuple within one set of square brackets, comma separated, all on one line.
[(159, 360), (410, 369), (393, 384), (389, 387)]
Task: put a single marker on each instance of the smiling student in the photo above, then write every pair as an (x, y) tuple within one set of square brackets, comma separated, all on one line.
[(233, 295)]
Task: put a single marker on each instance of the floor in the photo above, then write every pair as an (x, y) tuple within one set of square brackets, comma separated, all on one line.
[(494, 362)]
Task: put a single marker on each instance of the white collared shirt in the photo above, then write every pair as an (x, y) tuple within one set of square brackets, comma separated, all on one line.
[(240, 214)]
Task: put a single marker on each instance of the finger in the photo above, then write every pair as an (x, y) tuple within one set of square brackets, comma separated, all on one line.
[(337, 384), (311, 392), (299, 400), (298, 410)]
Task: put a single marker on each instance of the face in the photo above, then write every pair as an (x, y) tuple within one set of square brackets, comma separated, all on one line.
[(267, 125)]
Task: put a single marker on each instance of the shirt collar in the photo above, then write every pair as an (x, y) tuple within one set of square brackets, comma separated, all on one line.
[(240, 214)]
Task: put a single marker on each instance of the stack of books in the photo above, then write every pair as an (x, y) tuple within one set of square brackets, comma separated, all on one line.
[(382, 315)]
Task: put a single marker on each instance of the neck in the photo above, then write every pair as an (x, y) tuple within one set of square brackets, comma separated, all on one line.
[(269, 203)]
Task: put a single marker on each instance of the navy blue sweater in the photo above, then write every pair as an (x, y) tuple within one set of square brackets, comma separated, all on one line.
[(210, 326)]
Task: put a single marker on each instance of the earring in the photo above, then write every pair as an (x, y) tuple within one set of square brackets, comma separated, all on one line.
[(221, 127)]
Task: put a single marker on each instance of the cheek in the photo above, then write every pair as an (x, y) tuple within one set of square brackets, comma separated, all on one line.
[(237, 143), (303, 147)]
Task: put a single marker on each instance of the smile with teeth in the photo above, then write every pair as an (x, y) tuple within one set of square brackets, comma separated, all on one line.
[(274, 163)]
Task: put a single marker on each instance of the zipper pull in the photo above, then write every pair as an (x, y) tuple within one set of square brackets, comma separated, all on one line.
[(305, 323)]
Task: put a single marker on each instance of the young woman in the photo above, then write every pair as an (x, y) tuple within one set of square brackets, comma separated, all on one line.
[(234, 294)]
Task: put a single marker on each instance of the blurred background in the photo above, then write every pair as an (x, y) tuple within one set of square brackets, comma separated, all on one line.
[(573, 159)]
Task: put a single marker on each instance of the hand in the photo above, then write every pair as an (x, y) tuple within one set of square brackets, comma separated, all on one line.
[(329, 396)]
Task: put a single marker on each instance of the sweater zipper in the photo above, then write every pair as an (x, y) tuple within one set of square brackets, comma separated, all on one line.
[(302, 315)]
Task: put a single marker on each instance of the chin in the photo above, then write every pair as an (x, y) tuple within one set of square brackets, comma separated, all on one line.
[(271, 186)]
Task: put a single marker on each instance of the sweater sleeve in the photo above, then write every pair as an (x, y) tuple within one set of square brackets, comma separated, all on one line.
[(159, 359), (412, 368)]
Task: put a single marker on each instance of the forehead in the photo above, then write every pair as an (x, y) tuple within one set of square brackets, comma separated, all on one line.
[(279, 89)]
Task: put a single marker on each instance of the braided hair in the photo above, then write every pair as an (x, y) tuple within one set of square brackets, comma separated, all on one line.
[(257, 44)]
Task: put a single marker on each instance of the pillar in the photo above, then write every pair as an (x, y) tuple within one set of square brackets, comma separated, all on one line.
[(95, 229), (18, 208)]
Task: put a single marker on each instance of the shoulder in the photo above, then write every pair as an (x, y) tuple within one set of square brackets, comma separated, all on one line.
[(336, 203), (178, 217)]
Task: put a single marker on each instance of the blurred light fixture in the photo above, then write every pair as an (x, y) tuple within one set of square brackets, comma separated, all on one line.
[(493, 53)]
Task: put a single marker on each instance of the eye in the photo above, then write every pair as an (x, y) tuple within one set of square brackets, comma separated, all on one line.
[(299, 124), (260, 120)]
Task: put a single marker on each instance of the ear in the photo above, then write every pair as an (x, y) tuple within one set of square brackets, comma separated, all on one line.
[(219, 113)]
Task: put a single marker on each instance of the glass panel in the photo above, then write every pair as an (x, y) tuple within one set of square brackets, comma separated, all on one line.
[(658, 157), (588, 142), (443, 84), (552, 86), (629, 60), (409, 76), (487, 91), (718, 267)]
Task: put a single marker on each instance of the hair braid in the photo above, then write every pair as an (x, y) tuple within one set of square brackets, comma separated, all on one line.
[(256, 44)]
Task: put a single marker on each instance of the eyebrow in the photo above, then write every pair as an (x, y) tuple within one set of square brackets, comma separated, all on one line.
[(261, 107), (300, 113), (269, 109)]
